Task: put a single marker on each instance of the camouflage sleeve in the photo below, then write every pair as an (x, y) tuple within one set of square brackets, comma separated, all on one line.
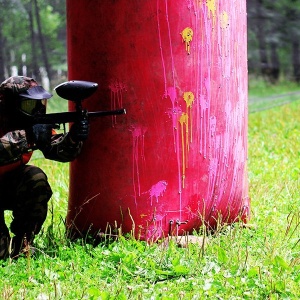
[(63, 149), (12, 146)]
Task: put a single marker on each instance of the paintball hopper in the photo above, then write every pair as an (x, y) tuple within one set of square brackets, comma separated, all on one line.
[(76, 90)]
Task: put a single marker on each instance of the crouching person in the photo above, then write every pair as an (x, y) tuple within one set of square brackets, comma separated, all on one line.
[(24, 188)]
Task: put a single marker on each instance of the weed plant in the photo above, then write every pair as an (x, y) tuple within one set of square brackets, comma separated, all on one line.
[(261, 261)]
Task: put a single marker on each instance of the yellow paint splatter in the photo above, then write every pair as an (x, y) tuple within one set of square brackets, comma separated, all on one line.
[(187, 37), (211, 5), (189, 99), (184, 122), (224, 20)]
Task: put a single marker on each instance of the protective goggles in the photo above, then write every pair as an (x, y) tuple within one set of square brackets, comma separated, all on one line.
[(33, 106)]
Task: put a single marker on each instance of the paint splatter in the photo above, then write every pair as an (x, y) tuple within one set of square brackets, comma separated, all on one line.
[(138, 136), (117, 89), (171, 92), (187, 37), (211, 5), (224, 20), (184, 119), (184, 122), (175, 112), (157, 190), (189, 98)]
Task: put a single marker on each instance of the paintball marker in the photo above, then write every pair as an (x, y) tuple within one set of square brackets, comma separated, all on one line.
[(76, 91)]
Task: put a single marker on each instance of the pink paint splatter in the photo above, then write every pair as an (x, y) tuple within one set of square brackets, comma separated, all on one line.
[(175, 112), (117, 89), (157, 190), (171, 92), (160, 46), (138, 136)]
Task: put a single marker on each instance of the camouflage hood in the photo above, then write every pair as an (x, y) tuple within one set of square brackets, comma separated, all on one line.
[(11, 90), (15, 85)]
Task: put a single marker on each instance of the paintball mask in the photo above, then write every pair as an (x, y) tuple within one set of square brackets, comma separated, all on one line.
[(24, 95), (33, 101)]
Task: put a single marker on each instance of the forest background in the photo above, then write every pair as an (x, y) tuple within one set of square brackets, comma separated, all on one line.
[(33, 40)]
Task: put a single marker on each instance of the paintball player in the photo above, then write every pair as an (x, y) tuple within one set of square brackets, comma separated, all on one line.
[(24, 188)]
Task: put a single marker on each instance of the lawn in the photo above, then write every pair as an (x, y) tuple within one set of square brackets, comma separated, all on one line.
[(261, 261)]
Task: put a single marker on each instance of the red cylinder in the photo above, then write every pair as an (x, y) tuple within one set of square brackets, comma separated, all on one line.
[(178, 158)]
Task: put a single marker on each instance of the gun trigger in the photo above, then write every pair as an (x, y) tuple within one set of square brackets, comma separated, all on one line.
[(85, 114)]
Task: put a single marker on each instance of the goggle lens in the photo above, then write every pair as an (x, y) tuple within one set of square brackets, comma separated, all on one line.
[(32, 106)]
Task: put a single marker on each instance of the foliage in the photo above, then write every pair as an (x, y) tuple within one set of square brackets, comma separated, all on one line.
[(257, 262), (18, 36), (273, 38)]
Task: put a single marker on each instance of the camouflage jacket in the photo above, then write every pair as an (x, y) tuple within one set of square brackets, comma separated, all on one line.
[(15, 150)]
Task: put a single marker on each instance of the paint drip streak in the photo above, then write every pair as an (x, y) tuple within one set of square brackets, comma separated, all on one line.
[(170, 41), (160, 47), (174, 86)]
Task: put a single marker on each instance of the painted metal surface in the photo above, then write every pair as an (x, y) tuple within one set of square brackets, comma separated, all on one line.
[(179, 156)]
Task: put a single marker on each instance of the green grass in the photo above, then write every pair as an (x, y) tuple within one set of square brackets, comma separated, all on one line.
[(264, 95), (261, 88), (260, 262)]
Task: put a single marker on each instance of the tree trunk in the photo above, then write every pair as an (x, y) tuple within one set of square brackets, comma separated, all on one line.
[(275, 64), (293, 16), (2, 72), (260, 33), (41, 40), (33, 69), (296, 60)]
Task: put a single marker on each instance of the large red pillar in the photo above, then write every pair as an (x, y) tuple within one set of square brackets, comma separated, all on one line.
[(178, 158)]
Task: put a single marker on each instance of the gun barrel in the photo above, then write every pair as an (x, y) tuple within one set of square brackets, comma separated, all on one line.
[(121, 111), (72, 116)]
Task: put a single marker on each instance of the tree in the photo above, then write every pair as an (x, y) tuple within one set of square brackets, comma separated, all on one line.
[(34, 63), (6, 8), (273, 38), (1, 52), (292, 34), (34, 28), (41, 39)]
